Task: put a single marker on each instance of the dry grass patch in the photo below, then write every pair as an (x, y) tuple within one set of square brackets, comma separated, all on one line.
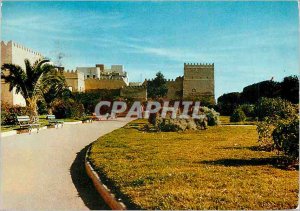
[(225, 120), (217, 168)]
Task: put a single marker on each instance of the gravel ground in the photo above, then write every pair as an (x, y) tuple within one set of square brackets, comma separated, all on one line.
[(45, 170)]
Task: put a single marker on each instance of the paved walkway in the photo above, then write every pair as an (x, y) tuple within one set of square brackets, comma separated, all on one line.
[(44, 170)]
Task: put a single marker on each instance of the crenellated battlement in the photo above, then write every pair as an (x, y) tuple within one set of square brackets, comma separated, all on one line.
[(136, 87), (199, 65), (179, 78), (108, 78), (70, 71), (19, 46)]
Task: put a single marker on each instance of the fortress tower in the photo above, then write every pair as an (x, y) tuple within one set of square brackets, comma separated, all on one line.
[(198, 80)]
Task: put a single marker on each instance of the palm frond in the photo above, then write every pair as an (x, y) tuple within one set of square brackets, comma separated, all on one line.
[(41, 68), (39, 63), (35, 81), (29, 68), (50, 82), (16, 77)]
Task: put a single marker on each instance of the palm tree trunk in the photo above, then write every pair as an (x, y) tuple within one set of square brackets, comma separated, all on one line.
[(31, 104)]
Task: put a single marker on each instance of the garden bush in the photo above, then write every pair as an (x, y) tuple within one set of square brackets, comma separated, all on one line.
[(286, 138), (280, 127), (175, 125), (9, 113), (67, 109), (152, 118), (248, 109), (265, 130), (212, 116), (275, 108), (238, 115), (178, 124)]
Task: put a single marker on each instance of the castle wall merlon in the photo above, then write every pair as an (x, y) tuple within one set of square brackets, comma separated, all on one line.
[(17, 45), (136, 87), (198, 65)]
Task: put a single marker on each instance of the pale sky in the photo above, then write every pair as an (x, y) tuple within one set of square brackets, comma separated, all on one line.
[(247, 41)]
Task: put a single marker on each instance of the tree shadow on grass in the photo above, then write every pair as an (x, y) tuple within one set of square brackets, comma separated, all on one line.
[(84, 185), (243, 162), (252, 148)]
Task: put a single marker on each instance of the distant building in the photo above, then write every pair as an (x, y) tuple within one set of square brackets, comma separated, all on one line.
[(89, 72), (100, 71), (197, 82), (14, 53), (75, 80)]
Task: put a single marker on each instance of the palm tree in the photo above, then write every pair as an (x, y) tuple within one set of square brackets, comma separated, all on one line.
[(30, 82), (53, 87)]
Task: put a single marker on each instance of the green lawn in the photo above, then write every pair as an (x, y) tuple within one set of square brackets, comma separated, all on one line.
[(218, 168), (6, 128), (225, 120), (42, 120)]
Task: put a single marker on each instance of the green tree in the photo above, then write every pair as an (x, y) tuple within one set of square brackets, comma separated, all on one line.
[(252, 93), (290, 89), (29, 82), (157, 87), (228, 102)]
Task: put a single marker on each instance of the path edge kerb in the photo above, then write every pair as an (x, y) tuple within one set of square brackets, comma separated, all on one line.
[(101, 188)]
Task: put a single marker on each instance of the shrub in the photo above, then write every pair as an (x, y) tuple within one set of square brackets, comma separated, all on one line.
[(67, 109), (248, 109), (76, 110), (152, 118), (212, 116), (169, 125), (286, 138), (275, 108), (9, 113), (238, 115), (265, 130), (175, 125)]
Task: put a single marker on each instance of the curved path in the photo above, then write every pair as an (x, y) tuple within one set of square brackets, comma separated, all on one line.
[(44, 171)]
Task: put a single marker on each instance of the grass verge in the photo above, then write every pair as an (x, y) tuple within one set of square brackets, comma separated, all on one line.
[(218, 168)]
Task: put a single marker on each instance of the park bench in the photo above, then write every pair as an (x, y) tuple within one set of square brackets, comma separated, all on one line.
[(24, 123), (53, 121)]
